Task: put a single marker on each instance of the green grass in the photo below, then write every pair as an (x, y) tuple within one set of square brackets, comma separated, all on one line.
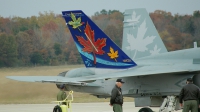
[(15, 92)]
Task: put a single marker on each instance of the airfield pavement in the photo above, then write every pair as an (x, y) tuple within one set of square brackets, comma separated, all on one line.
[(76, 107)]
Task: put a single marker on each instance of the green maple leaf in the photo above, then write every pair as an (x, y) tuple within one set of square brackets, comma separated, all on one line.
[(75, 22)]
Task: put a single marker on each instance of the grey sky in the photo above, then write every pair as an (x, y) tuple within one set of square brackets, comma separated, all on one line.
[(27, 8)]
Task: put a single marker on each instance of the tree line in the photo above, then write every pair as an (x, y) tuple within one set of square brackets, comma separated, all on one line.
[(46, 40)]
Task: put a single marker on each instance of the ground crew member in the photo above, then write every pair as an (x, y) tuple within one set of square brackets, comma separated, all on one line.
[(190, 95), (116, 99), (61, 94)]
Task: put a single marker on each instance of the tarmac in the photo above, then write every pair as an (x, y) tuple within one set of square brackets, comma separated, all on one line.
[(76, 107)]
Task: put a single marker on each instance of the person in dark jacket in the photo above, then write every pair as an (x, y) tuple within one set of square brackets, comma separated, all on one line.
[(190, 95), (116, 99)]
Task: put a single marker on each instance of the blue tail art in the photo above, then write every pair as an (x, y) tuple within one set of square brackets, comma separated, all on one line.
[(95, 47)]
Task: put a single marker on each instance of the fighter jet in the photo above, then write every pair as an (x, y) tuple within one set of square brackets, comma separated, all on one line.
[(152, 75)]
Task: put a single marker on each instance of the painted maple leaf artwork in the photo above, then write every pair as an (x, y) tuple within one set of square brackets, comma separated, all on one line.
[(134, 19), (155, 51), (90, 45), (113, 54), (76, 23), (140, 38)]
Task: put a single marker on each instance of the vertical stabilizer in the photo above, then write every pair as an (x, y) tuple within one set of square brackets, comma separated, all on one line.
[(95, 47), (140, 37)]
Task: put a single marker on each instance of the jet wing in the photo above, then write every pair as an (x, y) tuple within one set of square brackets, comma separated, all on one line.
[(147, 70), (136, 71)]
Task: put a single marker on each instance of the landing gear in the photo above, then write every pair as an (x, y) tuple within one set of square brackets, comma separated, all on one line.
[(169, 104), (145, 109)]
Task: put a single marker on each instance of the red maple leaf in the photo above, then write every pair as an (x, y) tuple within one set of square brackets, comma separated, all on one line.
[(90, 45)]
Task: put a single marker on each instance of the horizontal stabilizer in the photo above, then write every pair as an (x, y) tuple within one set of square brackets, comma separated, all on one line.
[(51, 79), (35, 78)]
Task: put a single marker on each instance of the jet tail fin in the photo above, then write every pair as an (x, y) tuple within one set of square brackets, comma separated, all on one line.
[(95, 47), (140, 37)]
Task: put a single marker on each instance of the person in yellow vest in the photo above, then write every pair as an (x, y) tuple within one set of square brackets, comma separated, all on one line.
[(61, 94)]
